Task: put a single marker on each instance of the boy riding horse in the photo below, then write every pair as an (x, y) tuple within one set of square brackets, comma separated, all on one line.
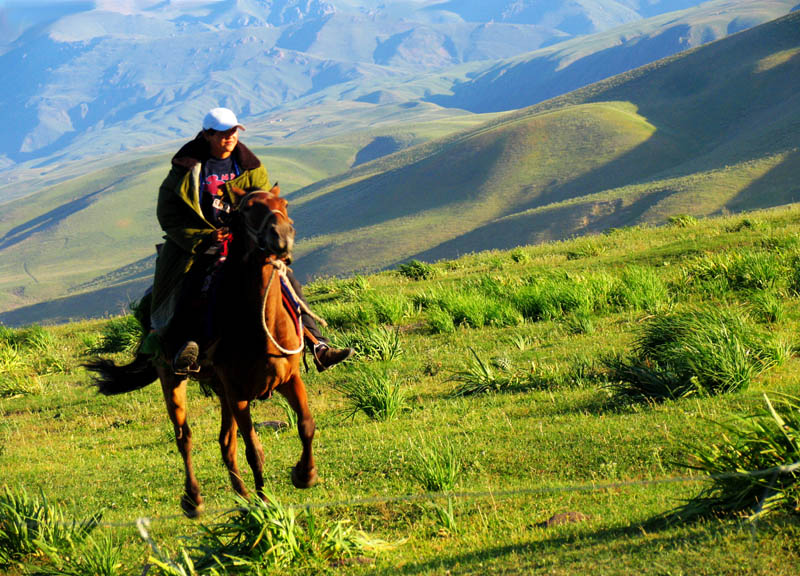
[(204, 184)]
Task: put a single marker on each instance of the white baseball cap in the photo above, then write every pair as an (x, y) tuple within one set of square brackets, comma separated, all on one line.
[(221, 119)]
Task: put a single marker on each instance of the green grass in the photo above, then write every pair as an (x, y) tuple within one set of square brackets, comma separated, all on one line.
[(464, 483)]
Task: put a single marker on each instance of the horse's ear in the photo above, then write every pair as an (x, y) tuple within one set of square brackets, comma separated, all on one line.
[(275, 189), (238, 191)]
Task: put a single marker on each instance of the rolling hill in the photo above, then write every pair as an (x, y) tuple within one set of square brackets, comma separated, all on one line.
[(527, 79), (711, 130)]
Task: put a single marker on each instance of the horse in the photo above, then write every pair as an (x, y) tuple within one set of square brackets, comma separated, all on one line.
[(256, 352)]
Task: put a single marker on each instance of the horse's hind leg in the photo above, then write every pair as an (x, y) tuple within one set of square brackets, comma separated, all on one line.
[(175, 397), (304, 474), (227, 443)]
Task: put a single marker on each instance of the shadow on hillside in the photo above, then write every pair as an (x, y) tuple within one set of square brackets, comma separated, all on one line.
[(545, 225), (527, 83), (780, 185), (111, 301), (49, 219)]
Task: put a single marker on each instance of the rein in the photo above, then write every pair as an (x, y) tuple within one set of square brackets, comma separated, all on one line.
[(279, 268)]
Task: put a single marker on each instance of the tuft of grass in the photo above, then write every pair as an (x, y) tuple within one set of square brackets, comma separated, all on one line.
[(708, 350), (32, 527), (381, 343), (264, 535), (587, 247), (479, 377), (346, 315), (389, 309), (741, 270), (754, 468), (375, 392), (640, 288), (520, 256), (288, 411), (768, 307), (123, 334), (440, 321), (99, 556), (580, 322), (435, 465), (355, 288), (682, 220), (416, 270)]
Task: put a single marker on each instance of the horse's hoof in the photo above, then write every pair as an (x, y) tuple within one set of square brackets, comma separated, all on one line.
[(191, 508), (306, 480)]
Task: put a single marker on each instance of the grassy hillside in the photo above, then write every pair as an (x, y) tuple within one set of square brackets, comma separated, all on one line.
[(709, 131), (554, 469)]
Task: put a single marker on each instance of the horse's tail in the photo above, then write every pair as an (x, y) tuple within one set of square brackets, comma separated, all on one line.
[(111, 379)]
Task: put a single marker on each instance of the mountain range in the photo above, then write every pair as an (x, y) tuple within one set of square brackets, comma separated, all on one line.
[(98, 78)]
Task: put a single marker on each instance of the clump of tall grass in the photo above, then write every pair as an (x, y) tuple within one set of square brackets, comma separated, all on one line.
[(587, 247), (754, 468), (682, 220), (264, 535), (389, 309), (448, 307), (740, 270), (520, 256), (354, 288), (640, 288), (767, 306), (33, 527), (347, 315), (16, 375), (35, 351), (480, 377), (435, 464), (123, 334), (551, 298), (440, 321), (580, 322), (708, 350), (416, 270), (96, 557), (373, 391), (379, 343)]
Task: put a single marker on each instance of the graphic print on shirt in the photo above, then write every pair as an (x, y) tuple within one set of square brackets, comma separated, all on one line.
[(216, 172)]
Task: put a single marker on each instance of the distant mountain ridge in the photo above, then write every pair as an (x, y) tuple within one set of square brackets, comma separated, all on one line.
[(93, 78)]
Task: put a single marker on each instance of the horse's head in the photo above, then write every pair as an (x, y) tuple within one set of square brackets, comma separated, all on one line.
[(266, 222)]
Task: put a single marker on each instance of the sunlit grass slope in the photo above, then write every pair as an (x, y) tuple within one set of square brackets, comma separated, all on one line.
[(550, 437), (709, 131)]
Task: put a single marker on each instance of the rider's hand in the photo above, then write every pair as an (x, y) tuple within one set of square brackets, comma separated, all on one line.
[(221, 234)]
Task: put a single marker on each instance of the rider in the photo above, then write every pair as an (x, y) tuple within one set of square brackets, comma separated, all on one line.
[(193, 202)]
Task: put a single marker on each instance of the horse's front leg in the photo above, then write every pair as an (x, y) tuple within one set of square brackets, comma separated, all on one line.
[(227, 443), (304, 474), (253, 449), (175, 397)]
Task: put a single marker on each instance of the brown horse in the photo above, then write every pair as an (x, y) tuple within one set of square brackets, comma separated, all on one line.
[(258, 350)]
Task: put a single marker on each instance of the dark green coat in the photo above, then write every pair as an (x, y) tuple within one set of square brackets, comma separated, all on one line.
[(188, 233)]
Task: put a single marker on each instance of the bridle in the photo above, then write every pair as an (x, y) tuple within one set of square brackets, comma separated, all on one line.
[(255, 233)]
